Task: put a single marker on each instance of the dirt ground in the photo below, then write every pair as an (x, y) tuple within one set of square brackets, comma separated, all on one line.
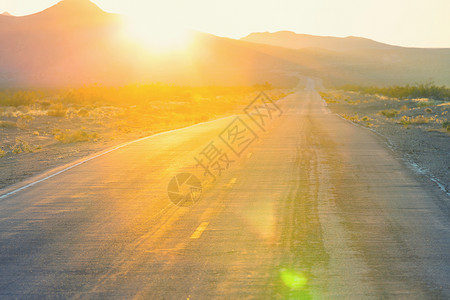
[(417, 129)]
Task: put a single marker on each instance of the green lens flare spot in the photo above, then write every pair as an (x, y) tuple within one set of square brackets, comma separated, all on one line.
[(292, 279)]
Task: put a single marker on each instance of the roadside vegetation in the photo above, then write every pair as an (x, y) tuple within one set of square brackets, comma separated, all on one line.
[(32, 120), (423, 106), (414, 121), (422, 90), (389, 113)]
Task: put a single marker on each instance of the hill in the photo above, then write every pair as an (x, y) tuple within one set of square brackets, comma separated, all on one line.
[(292, 40), (75, 43), (356, 60)]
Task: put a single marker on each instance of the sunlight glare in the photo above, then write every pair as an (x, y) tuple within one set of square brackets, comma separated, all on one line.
[(158, 35)]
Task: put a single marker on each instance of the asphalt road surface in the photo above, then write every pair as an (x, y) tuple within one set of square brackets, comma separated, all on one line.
[(314, 208)]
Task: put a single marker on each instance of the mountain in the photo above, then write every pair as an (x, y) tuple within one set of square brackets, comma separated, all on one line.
[(58, 44), (356, 60), (6, 14), (76, 43), (67, 14), (292, 40), (395, 66)]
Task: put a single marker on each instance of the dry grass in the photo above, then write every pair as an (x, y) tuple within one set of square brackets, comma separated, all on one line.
[(327, 97), (95, 113), (375, 110), (365, 121), (417, 120), (83, 112), (446, 125), (69, 137), (7, 124), (389, 113), (22, 146), (57, 110), (353, 118)]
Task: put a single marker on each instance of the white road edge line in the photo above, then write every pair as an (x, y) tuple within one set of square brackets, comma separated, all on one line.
[(101, 154)]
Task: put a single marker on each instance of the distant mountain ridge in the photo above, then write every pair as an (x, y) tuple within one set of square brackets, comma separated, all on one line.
[(64, 14), (76, 43), (292, 40), (63, 43)]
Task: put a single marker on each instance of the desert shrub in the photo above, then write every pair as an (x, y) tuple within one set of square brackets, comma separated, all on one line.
[(389, 113), (16, 98), (421, 90), (424, 104), (143, 96), (420, 120), (353, 102), (417, 120), (446, 125), (428, 110), (405, 121), (68, 137), (83, 112), (45, 105), (57, 110), (354, 118), (150, 106), (146, 94), (7, 124), (26, 118), (327, 97), (21, 146)]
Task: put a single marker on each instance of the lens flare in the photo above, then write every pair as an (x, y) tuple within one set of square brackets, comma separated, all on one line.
[(157, 35), (292, 279)]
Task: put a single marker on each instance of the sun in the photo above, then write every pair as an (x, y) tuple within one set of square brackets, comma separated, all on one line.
[(157, 35)]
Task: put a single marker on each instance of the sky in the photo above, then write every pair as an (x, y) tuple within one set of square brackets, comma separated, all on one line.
[(412, 23)]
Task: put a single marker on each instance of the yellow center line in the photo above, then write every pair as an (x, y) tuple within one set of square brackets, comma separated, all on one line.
[(231, 183), (198, 232)]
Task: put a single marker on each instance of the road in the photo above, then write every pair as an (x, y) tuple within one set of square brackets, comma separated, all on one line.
[(315, 208)]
